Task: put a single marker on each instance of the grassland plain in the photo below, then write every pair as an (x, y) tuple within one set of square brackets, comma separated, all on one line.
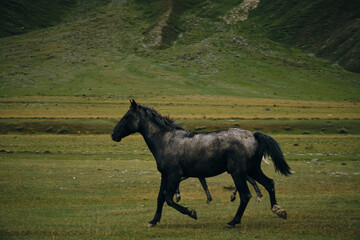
[(83, 185), (61, 185), (88, 187)]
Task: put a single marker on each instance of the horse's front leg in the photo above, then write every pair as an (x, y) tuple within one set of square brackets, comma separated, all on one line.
[(160, 202), (172, 183)]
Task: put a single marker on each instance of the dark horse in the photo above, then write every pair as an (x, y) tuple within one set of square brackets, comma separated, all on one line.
[(183, 153)]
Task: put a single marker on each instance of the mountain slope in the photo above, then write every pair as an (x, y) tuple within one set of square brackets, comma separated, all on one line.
[(107, 54), (329, 28)]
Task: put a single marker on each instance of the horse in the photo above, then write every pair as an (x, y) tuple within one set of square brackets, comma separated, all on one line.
[(179, 152), (208, 195)]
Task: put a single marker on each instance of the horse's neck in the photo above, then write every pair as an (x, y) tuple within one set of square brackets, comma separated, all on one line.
[(153, 136)]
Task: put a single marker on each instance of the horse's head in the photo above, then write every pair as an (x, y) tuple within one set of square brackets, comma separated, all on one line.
[(128, 124)]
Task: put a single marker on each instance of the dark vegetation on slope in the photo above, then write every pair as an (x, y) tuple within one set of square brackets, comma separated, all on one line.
[(22, 16), (329, 28)]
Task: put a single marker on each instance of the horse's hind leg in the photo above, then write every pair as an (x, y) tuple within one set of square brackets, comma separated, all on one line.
[(177, 192), (204, 185), (172, 183), (257, 190), (233, 195), (253, 183), (177, 195), (269, 185), (242, 187)]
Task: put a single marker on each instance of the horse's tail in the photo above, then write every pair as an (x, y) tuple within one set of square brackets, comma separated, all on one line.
[(268, 146)]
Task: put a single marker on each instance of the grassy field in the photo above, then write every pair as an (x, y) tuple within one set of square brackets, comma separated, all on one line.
[(60, 180), (62, 177), (86, 186)]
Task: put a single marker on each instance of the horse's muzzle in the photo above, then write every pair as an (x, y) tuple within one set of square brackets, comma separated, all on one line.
[(114, 138)]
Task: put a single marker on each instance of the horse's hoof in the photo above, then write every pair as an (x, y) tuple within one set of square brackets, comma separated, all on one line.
[(151, 225), (230, 225), (177, 197), (279, 211), (232, 197), (193, 214)]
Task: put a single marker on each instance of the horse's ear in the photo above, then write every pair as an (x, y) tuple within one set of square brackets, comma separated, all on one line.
[(133, 104)]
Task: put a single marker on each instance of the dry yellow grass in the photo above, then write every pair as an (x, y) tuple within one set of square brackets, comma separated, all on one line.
[(181, 107)]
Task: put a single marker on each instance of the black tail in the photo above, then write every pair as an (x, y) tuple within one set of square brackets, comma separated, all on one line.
[(268, 146)]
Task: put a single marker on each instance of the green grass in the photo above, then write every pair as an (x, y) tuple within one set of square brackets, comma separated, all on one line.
[(97, 189)]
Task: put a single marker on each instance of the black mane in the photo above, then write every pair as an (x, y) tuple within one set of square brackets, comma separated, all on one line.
[(160, 120)]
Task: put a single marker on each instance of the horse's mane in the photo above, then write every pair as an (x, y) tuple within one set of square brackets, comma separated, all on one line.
[(160, 120)]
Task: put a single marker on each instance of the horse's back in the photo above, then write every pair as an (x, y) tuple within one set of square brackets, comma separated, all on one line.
[(209, 154), (216, 141)]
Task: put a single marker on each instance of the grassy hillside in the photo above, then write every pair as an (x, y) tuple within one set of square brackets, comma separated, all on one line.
[(106, 54)]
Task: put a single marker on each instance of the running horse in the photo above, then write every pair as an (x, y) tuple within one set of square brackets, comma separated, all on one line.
[(183, 153)]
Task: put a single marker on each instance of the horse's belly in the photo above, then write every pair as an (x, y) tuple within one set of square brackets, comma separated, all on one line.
[(202, 166), (205, 174)]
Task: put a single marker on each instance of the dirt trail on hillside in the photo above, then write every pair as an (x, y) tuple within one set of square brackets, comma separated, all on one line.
[(241, 12), (155, 36)]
